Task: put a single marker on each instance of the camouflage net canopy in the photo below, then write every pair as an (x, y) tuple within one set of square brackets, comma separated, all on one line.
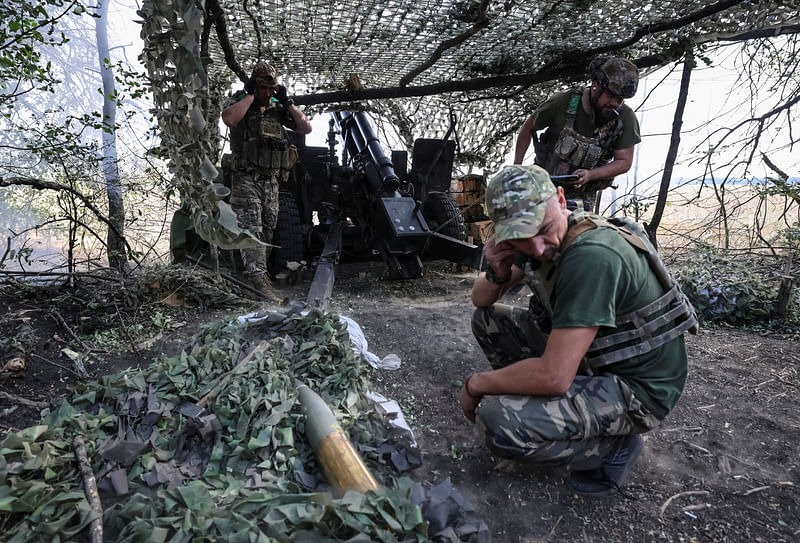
[(420, 63), (433, 45)]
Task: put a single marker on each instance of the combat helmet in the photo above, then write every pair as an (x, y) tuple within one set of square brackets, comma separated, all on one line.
[(618, 75)]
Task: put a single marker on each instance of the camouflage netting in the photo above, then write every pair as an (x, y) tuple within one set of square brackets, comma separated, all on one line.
[(487, 63), (241, 470)]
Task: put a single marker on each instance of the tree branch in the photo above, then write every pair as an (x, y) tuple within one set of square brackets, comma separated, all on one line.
[(218, 16), (482, 23), (569, 65), (38, 184), (773, 167), (672, 152), (90, 488)]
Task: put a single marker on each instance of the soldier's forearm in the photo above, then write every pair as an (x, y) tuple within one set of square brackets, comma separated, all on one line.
[(300, 120)]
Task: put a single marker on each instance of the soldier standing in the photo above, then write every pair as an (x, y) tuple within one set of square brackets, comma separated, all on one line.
[(599, 356), (261, 160), (589, 131)]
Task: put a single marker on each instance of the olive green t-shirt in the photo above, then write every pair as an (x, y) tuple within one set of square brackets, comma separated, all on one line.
[(552, 115), (600, 276)]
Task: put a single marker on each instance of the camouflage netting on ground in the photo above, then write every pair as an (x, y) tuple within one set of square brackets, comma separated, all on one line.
[(239, 471), (187, 286)]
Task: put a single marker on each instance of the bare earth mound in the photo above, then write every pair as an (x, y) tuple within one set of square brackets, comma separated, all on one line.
[(723, 466)]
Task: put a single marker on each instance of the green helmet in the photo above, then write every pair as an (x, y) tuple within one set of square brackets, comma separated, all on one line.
[(618, 75), (516, 200)]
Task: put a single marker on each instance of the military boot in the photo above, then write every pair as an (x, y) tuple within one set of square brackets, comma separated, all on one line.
[(262, 284), (608, 478)]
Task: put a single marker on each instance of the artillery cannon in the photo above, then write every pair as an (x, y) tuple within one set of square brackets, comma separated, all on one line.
[(368, 206)]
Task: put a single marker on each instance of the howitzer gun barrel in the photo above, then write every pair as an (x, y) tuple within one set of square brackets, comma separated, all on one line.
[(360, 140)]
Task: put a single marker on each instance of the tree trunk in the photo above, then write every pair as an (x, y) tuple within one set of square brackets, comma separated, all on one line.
[(117, 257), (672, 153)]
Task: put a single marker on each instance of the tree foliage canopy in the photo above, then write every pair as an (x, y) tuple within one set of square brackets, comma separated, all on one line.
[(25, 28)]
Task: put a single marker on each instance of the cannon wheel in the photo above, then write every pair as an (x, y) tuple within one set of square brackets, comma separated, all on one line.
[(439, 209), (288, 234)]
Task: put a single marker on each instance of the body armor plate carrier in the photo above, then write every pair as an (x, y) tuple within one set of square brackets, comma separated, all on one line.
[(571, 151), (640, 331)]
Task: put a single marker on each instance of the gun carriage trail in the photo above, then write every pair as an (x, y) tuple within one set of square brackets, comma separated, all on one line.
[(722, 467)]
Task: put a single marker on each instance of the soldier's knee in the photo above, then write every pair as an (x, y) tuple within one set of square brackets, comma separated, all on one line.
[(500, 436)]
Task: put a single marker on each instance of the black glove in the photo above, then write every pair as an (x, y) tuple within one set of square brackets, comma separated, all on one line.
[(281, 96), (250, 86)]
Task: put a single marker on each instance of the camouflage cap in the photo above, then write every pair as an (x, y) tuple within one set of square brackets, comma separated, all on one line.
[(516, 199), (264, 74), (619, 75)]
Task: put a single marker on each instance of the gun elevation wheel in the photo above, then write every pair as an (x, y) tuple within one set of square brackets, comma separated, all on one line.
[(443, 216)]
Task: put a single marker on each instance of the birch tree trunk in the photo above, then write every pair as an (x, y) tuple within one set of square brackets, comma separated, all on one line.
[(117, 257)]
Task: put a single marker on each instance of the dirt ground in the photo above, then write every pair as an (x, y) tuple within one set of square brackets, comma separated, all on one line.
[(722, 467)]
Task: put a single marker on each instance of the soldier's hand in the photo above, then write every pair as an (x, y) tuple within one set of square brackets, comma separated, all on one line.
[(250, 86), (468, 401), (584, 176), (499, 256), (281, 96)]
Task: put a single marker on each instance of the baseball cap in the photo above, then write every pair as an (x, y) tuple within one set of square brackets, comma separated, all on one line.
[(264, 74), (516, 200)]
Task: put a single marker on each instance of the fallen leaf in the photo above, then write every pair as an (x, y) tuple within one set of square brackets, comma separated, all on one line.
[(175, 300), (14, 365)]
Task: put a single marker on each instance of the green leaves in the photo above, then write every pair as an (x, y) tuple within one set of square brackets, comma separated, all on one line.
[(26, 27), (727, 289)]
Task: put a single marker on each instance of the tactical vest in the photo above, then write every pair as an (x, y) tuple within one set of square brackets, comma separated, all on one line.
[(570, 150), (260, 141), (640, 331)]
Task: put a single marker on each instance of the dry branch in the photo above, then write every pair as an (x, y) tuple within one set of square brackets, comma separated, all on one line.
[(77, 372), (672, 152), (482, 23), (38, 184), (680, 495), (90, 488), (261, 347), (22, 401), (754, 490), (58, 318), (571, 64)]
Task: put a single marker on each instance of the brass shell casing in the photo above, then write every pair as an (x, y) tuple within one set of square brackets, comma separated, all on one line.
[(342, 465), (340, 462)]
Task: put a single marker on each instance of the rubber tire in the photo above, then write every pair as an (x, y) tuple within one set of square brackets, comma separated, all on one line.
[(438, 209), (288, 234)]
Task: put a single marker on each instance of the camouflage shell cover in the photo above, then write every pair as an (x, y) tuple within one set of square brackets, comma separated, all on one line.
[(516, 200), (619, 75)]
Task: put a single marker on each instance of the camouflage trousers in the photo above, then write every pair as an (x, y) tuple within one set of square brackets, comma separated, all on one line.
[(254, 198), (575, 430)]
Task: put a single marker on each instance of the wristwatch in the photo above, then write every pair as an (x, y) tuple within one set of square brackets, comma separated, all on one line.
[(491, 277)]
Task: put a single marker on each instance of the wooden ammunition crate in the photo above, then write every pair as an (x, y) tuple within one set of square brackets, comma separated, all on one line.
[(478, 231), (466, 190)]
